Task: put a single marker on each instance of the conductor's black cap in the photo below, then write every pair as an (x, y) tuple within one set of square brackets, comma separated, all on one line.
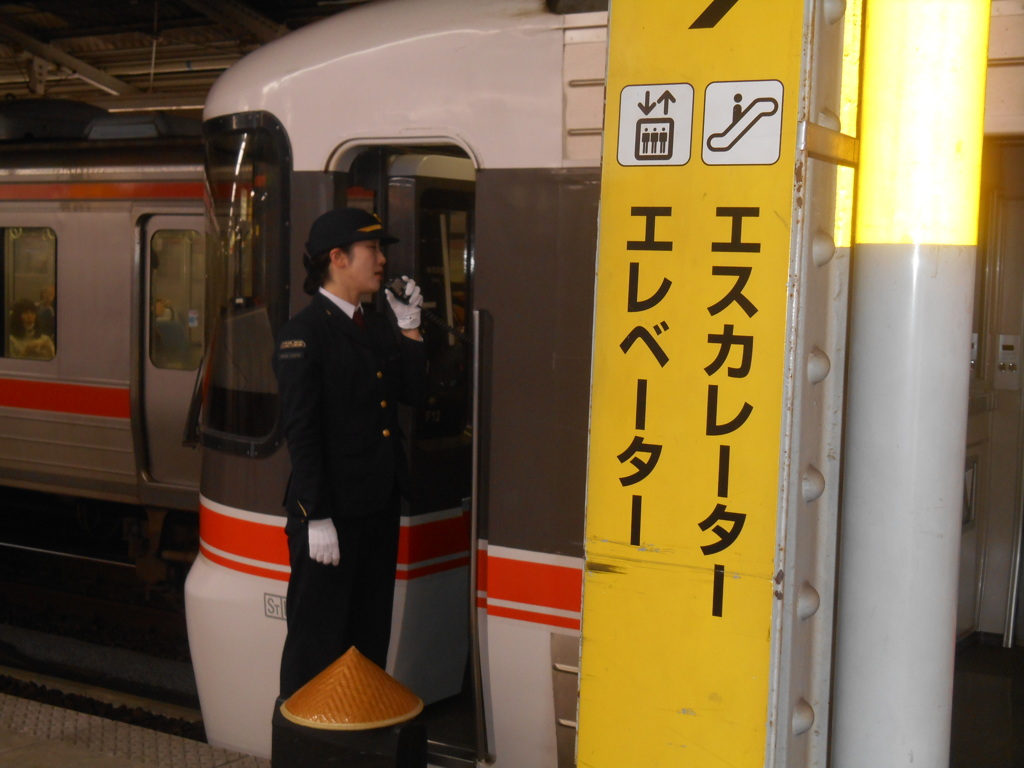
[(342, 227)]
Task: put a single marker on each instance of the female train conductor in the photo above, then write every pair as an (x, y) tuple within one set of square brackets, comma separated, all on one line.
[(341, 373)]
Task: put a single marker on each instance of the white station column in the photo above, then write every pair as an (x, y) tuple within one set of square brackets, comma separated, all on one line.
[(922, 103)]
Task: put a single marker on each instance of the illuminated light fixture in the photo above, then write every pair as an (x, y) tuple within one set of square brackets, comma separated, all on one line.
[(917, 184)]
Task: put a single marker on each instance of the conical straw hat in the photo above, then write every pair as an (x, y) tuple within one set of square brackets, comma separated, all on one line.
[(352, 694)]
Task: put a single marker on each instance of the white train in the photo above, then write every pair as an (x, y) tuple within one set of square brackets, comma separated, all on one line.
[(475, 130), (495, 202)]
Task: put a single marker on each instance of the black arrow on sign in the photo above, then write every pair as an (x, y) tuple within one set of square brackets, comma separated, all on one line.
[(713, 14), (665, 98), (647, 106)]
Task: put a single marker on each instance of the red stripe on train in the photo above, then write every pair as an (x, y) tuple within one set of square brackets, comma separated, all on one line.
[(107, 190), (520, 581), (429, 541), (244, 538), (427, 570), (234, 565), (533, 617), (500, 578), (481, 570), (268, 543), (81, 399)]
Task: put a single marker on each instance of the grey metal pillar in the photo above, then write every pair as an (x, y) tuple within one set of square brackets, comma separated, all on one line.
[(903, 494), (911, 298)]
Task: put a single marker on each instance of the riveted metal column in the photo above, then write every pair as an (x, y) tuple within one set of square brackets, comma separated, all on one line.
[(911, 297)]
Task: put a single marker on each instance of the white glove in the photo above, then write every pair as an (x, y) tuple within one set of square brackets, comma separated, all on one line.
[(407, 309), (323, 542)]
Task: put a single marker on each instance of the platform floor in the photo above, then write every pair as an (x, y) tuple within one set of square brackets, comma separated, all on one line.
[(988, 707), (988, 728), (34, 735)]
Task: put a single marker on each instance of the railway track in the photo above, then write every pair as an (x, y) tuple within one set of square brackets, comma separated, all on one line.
[(156, 626), (142, 711), (82, 632)]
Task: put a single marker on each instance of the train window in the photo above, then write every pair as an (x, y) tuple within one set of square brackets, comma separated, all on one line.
[(176, 286), (247, 165), (29, 289)]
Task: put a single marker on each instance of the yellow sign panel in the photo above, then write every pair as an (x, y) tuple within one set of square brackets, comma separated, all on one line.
[(690, 339)]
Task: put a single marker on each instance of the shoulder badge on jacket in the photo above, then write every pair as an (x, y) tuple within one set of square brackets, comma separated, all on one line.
[(290, 349)]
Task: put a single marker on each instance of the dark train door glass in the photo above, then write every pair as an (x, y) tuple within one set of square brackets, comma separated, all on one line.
[(248, 159), (443, 268), (173, 332)]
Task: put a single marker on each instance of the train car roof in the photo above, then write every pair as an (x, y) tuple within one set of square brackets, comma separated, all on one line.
[(485, 75), (111, 160)]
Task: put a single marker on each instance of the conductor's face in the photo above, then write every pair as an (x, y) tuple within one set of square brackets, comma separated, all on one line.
[(361, 271)]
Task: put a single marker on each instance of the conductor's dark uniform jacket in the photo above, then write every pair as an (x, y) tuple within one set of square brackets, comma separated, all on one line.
[(340, 386)]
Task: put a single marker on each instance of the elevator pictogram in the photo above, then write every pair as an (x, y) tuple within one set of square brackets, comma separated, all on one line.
[(655, 124)]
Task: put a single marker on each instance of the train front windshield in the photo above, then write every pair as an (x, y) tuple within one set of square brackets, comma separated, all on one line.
[(246, 167)]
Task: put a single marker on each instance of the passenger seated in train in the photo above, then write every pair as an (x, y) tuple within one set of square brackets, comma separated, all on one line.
[(46, 318), (26, 338), (162, 310), (170, 339)]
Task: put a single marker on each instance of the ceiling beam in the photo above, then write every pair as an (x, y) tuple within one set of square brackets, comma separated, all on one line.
[(144, 102), (238, 16), (87, 72)]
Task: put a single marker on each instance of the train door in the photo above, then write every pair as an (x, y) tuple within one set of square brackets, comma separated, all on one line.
[(428, 203), (1011, 219), (990, 551), (172, 341), (978, 459)]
